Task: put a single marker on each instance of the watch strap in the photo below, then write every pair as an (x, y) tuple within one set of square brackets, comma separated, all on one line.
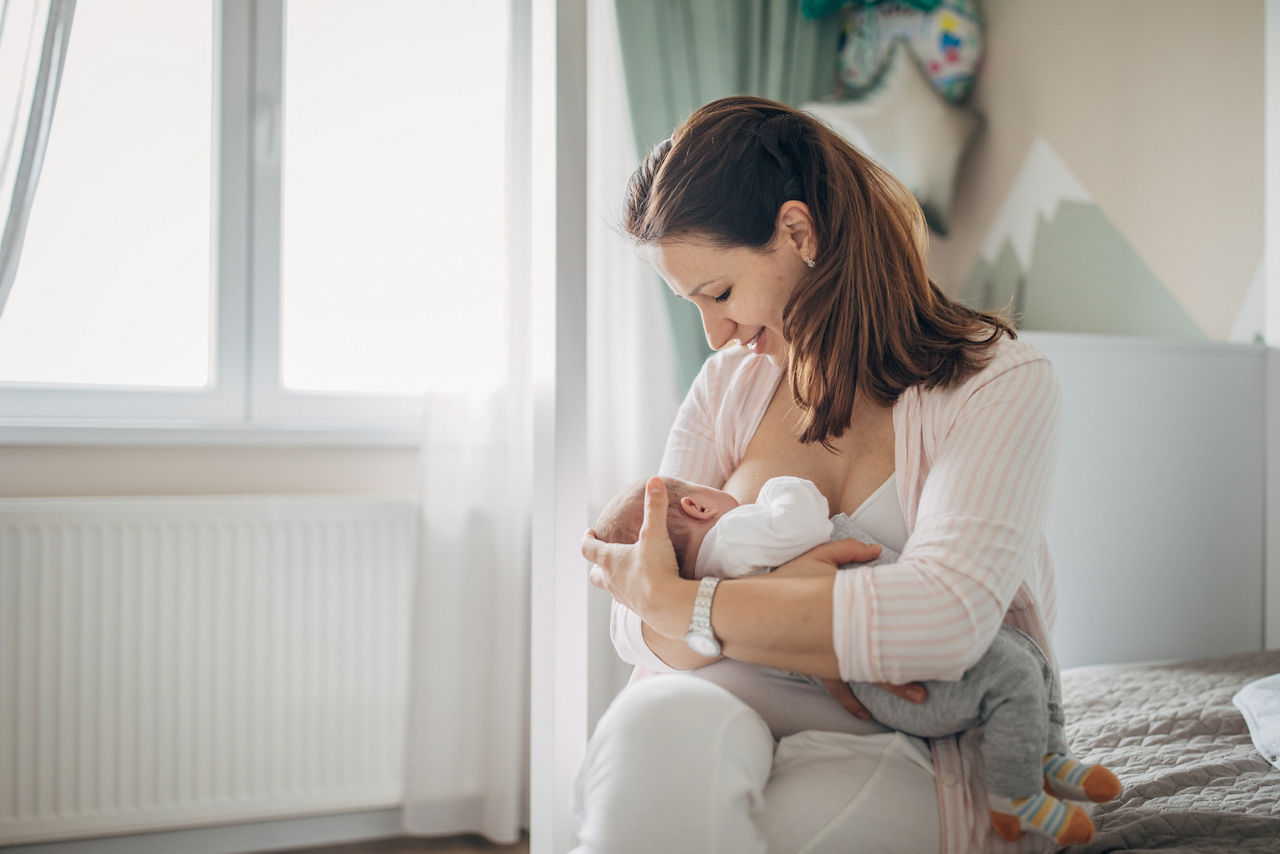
[(702, 606)]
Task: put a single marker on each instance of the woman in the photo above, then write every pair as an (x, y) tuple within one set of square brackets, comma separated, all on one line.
[(923, 418)]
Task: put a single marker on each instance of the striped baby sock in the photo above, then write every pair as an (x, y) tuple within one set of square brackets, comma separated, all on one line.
[(1042, 813), (1067, 778)]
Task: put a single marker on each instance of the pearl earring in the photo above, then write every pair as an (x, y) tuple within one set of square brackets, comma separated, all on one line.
[(810, 262)]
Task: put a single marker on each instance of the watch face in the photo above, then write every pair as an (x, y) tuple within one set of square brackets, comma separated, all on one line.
[(703, 643)]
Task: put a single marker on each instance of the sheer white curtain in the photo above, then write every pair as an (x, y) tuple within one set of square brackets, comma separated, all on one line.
[(631, 373), (467, 742), (466, 749), (33, 43)]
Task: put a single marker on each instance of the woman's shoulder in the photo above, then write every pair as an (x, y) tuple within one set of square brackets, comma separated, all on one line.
[(1015, 364), (1016, 384), (1012, 353)]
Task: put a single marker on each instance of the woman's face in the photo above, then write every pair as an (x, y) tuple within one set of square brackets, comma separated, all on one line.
[(739, 291)]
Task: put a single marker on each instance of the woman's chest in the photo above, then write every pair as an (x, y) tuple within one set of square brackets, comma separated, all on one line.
[(859, 462)]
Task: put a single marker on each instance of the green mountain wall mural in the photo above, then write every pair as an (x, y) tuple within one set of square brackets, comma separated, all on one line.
[(1059, 264)]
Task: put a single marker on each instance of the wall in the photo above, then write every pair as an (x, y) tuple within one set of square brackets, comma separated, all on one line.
[(1157, 526), (1147, 117), (41, 471)]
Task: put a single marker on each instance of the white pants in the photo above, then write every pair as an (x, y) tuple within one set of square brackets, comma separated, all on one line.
[(678, 764)]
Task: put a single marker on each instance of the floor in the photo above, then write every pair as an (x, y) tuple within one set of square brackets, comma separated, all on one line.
[(413, 845)]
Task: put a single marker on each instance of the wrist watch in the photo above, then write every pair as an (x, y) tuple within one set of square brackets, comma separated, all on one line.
[(700, 638)]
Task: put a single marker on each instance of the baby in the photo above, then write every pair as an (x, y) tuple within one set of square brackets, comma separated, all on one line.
[(1012, 690)]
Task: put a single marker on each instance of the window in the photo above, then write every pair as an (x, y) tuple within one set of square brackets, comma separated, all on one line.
[(406, 192), (260, 216), (136, 282)]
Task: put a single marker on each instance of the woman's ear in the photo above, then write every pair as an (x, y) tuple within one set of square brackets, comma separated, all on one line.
[(694, 509), (795, 228)]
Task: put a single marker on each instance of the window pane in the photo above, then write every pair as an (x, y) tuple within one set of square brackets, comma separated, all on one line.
[(393, 259), (113, 287)]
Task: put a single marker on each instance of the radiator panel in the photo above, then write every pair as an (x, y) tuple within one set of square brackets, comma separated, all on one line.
[(168, 662)]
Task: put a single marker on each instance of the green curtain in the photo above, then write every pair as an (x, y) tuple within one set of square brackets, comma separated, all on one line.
[(679, 54)]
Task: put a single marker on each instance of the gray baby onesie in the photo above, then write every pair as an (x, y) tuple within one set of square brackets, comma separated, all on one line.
[(1012, 691)]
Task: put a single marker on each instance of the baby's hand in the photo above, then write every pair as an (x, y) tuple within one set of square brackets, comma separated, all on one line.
[(912, 692), (840, 690)]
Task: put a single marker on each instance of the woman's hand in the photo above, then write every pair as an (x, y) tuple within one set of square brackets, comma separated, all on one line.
[(637, 575), (827, 558)]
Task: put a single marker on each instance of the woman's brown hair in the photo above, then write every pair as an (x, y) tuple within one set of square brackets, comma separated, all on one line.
[(867, 315)]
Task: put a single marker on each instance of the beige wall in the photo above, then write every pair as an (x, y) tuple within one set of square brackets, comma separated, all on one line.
[(1157, 107), (43, 471)]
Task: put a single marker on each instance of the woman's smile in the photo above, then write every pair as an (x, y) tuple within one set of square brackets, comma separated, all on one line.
[(741, 292)]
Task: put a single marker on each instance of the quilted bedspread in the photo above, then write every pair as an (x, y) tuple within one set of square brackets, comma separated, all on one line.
[(1193, 780)]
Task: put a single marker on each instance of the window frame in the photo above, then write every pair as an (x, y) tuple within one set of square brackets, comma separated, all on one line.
[(245, 401)]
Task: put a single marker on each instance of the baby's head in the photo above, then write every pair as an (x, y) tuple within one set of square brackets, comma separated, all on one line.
[(692, 509)]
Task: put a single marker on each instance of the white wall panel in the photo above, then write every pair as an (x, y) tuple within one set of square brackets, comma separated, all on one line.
[(1157, 526)]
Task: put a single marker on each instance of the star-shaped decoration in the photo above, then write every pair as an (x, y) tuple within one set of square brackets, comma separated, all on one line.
[(903, 124)]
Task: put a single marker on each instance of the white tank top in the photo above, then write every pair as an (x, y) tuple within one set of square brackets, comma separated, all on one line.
[(881, 516)]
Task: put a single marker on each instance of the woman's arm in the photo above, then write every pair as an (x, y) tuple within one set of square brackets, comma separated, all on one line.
[(674, 652), (978, 532), (980, 521), (779, 620)]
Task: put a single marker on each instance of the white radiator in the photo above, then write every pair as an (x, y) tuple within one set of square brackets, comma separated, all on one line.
[(179, 661)]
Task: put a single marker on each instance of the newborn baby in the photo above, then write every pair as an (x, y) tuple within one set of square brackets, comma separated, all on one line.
[(1012, 690)]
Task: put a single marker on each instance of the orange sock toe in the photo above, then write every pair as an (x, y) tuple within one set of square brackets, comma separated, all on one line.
[(1077, 781), (1100, 784), (1077, 829), (1063, 821), (1008, 826)]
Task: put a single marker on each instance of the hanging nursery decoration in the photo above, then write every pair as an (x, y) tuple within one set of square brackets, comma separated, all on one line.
[(905, 70)]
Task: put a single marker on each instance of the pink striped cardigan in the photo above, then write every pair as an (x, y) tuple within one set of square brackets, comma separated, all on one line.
[(974, 466)]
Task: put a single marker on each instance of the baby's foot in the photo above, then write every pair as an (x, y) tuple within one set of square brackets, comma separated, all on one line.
[(1067, 778), (1065, 823)]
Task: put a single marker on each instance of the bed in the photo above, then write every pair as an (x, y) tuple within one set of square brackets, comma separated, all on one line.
[(1162, 512), (1194, 780)]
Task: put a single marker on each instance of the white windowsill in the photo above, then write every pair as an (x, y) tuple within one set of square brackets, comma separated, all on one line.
[(194, 433)]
